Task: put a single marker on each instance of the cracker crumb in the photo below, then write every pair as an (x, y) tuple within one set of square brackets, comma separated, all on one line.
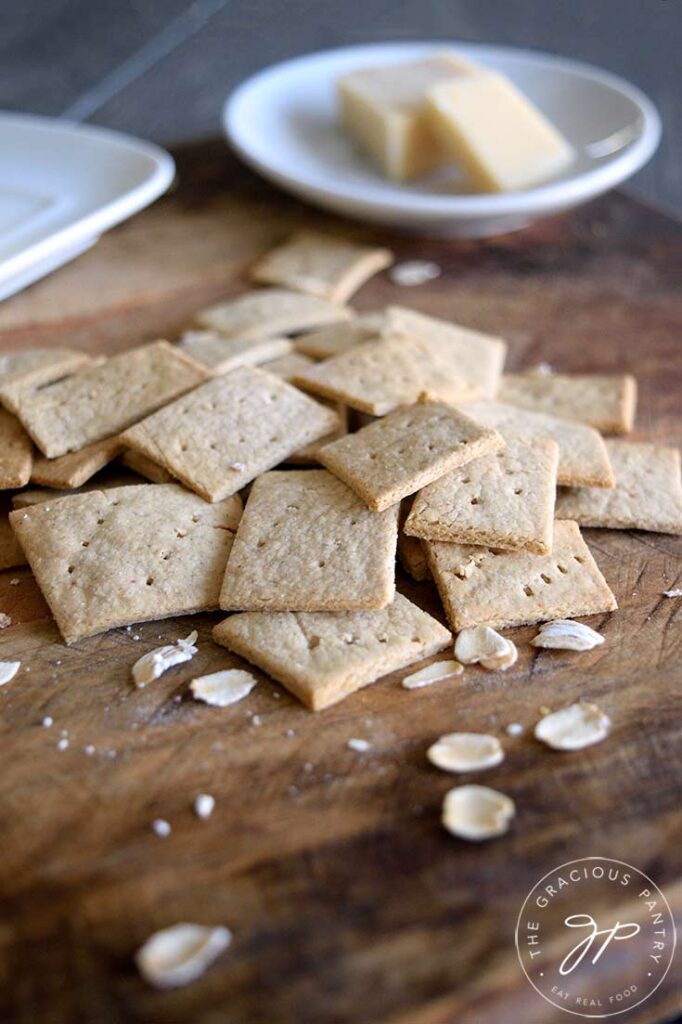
[(204, 805), (161, 827), (360, 745), (411, 273)]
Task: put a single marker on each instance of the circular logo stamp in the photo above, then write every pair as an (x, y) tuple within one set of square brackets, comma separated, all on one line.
[(595, 937)]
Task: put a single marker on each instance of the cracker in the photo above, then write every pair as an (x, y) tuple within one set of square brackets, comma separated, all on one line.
[(307, 543), (109, 558), (647, 495), (480, 586), (287, 366), (379, 375), (16, 452), (332, 268), (406, 450), (503, 500), (476, 357), (11, 551), (35, 495), (145, 466), (268, 312), (39, 365), (76, 468), (337, 338), (412, 557), (219, 354), (230, 430), (583, 459), (309, 455), (604, 402), (322, 657), (102, 400)]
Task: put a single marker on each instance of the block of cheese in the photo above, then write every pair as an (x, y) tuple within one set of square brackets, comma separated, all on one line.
[(499, 138), (384, 110)]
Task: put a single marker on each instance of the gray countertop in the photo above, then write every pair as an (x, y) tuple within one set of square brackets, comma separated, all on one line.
[(161, 68)]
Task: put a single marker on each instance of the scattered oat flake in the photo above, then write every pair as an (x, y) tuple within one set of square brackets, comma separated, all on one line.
[(515, 729), (204, 805), (8, 670), (180, 954), (153, 664), (676, 592), (5, 620), (434, 673), (161, 827), (477, 812), (414, 272), (485, 646), (223, 688), (565, 634), (465, 752), (572, 728), (360, 745)]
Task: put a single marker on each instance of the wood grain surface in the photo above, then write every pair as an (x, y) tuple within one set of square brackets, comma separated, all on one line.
[(348, 902)]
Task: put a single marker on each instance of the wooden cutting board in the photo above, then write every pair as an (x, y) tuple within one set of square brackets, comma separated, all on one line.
[(348, 902)]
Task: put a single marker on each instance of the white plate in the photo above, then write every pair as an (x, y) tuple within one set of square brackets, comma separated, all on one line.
[(62, 186), (283, 122)]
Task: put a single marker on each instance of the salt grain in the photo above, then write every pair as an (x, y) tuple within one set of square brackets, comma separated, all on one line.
[(63, 743), (47, 721), (161, 828), (515, 729), (360, 745), (203, 805)]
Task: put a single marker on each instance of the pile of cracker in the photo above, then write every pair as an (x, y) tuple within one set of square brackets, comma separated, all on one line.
[(289, 447)]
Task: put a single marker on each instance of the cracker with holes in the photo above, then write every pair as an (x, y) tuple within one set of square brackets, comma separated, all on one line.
[(109, 558), (605, 402), (379, 375), (270, 311), (230, 430), (309, 455), (99, 401), (307, 543), (406, 450), (219, 354), (337, 338), (476, 357), (583, 459), (76, 468), (332, 268), (503, 500), (647, 495), (481, 586), (323, 657), (16, 452)]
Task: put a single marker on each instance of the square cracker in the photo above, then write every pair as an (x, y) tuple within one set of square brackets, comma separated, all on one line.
[(475, 357), (381, 374), (270, 311), (503, 500), (306, 543), (330, 267), (309, 455), (76, 468), (647, 495), (337, 338), (480, 586), (288, 366), (16, 452), (108, 558), (604, 402), (99, 401), (37, 366), (230, 430), (220, 354), (583, 459), (322, 657), (407, 450)]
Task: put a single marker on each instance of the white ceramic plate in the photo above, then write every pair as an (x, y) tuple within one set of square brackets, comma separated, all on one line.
[(62, 186), (283, 123)]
